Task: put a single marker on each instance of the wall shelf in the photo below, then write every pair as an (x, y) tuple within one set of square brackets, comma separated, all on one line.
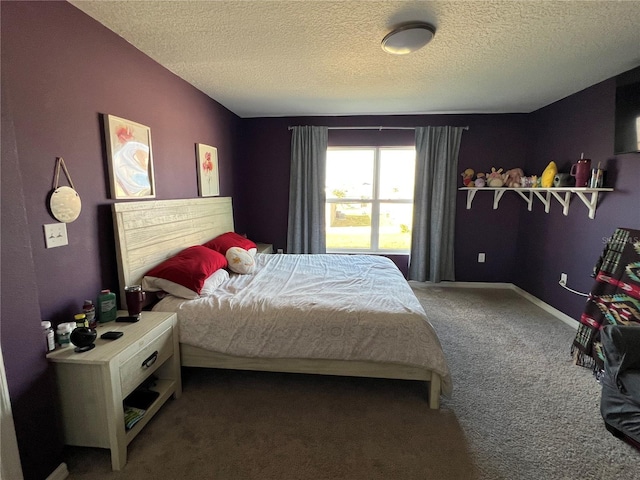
[(588, 196)]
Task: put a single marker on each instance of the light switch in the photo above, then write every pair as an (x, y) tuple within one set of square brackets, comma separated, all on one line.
[(55, 235)]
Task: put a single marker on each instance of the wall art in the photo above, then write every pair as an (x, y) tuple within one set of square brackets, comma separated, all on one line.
[(130, 159), (208, 175)]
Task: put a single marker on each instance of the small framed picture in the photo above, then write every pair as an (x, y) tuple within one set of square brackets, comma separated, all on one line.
[(130, 159), (208, 177)]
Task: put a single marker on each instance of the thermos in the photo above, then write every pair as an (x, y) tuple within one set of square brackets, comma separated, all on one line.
[(135, 297), (581, 171)]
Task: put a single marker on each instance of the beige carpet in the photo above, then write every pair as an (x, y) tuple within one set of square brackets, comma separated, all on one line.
[(520, 410)]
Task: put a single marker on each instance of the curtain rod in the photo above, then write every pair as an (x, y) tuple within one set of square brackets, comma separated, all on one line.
[(372, 128)]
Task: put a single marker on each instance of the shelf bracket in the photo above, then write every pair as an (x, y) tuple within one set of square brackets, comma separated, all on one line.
[(527, 198), (563, 201), (497, 195), (591, 204), (470, 195), (544, 199)]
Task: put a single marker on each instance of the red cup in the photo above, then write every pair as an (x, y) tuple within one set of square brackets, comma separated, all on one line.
[(135, 297), (582, 172)]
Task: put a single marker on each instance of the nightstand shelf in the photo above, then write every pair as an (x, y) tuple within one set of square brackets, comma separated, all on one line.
[(165, 388), (264, 247), (92, 385)]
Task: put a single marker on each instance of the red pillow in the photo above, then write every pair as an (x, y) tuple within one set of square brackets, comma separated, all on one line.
[(224, 242), (190, 268)]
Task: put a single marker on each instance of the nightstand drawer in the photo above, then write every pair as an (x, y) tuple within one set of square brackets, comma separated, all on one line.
[(143, 358)]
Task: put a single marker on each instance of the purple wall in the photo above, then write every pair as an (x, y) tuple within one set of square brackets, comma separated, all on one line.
[(60, 71), (549, 244), (492, 140), (28, 376), (529, 249)]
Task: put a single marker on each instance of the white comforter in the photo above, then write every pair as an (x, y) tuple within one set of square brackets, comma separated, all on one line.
[(346, 307)]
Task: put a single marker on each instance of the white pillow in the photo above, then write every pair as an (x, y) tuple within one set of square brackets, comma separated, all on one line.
[(213, 282), (240, 260), (156, 284)]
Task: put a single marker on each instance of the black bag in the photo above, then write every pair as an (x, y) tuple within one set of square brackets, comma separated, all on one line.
[(620, 401)]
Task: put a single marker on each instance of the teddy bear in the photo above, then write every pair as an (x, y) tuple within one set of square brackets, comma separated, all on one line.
[(513, 178), (480, 181), (467, 177), (495, 179)]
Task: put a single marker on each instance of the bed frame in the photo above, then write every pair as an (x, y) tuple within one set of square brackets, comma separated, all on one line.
[(149, 232)]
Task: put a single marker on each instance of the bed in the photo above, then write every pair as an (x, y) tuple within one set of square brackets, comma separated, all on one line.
[(294, 313)]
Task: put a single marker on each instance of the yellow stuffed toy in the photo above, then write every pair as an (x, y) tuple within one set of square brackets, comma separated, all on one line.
[(548, 175), (467, 177)]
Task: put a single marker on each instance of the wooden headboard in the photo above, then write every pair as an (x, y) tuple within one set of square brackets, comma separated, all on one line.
[(149, 232)]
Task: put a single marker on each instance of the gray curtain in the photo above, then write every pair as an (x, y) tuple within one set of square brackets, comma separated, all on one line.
[(306, 230), (434, 207)]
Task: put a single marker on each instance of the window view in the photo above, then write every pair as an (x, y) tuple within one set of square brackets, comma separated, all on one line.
[(369, 194)]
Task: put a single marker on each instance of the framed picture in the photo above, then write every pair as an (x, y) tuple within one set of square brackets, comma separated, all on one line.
[(130, 159), (208, 177)]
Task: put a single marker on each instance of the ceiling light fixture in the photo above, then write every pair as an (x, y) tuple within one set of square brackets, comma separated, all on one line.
[(408, 38)]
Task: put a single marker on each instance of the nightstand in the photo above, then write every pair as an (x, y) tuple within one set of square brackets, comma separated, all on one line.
[(264, 247), (93, 384)]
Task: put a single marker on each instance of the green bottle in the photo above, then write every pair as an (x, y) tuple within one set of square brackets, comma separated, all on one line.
[(107, 306)]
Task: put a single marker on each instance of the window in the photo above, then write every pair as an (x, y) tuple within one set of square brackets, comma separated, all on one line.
[(369, 199)]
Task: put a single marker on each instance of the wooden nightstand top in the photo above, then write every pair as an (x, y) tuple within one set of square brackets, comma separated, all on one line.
[(105, 350)]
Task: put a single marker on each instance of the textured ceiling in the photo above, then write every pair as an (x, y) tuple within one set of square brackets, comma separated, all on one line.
[(316, 57)]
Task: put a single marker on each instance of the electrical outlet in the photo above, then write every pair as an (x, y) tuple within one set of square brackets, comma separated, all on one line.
[(55, 235), (279, 250), (563, 279), (481, 258)]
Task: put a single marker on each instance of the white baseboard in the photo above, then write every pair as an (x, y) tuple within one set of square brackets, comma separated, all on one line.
[(465, 284), (546, 307), (59, 473), (536, 301)]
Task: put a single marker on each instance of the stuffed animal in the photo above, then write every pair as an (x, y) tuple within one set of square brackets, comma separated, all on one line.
[(528, 182), (513, 177), (494, 179), (480, 180), (467, 177), (548, 175)]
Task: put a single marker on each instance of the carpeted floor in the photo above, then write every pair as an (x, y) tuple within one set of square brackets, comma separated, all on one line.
[(520, 410)]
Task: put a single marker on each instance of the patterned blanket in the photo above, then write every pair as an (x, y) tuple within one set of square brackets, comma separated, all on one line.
[(614, 298)]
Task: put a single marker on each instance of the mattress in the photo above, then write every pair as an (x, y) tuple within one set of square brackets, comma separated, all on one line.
[(340, 307)]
